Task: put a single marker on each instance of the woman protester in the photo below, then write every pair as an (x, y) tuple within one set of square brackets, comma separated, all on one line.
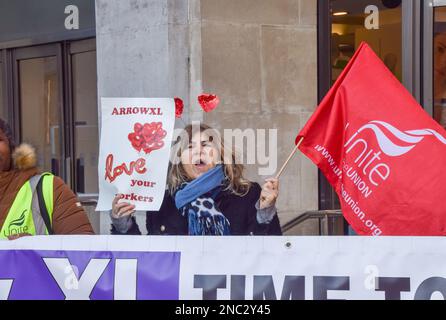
[(207, 194)]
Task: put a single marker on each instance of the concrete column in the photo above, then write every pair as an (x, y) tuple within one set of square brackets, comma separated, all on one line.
[(142, 51)]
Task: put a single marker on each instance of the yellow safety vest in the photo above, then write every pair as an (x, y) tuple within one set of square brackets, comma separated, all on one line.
[(24, 216)]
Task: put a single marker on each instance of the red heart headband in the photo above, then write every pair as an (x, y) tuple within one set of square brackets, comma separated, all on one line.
[(208, 102)]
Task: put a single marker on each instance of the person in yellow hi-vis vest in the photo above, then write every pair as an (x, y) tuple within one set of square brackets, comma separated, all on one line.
[(34, 203)]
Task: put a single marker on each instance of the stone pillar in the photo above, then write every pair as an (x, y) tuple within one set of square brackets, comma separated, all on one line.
[(260, 57), (142, 51)]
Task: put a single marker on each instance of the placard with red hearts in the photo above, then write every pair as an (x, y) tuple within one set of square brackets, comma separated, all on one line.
[(136, 135)]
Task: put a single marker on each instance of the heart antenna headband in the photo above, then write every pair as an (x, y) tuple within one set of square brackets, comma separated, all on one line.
[(208, 102)]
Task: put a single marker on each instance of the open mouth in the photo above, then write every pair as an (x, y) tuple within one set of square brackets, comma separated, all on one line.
[(200, 164)]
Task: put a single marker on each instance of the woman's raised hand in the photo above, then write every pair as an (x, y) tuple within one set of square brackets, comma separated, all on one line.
[(269, 194), (121, 209)]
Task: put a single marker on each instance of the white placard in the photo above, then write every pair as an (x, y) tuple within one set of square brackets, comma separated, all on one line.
[(136, 135)]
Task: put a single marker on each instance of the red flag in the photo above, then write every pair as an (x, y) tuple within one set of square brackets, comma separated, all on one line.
[(383, 154)]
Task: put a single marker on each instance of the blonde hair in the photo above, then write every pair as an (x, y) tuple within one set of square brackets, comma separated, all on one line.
[(235, 182)]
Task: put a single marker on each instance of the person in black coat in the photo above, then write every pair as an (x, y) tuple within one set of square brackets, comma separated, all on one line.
[(207, 195)]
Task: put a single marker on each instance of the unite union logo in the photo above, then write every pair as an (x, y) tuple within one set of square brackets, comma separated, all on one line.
[(16, 226), (394, 142)]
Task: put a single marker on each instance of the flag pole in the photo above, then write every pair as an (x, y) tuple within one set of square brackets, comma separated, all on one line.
[(289, 157), (288, 160)]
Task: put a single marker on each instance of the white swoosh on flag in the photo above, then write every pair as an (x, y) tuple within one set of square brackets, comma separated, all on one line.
[(428, 132), (409, 137), (397, 133)]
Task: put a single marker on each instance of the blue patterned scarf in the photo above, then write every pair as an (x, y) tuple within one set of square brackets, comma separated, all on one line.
[(196, 201)]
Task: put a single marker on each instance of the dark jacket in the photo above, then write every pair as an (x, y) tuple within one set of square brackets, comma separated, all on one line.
[(240, 211)]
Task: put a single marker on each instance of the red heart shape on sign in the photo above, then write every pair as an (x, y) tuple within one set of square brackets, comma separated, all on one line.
[(147, 137), (208, 102)]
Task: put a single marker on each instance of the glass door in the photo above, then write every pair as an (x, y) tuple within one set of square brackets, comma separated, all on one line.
[(82, 56), (55, 109), (82, 102), (38, 111)]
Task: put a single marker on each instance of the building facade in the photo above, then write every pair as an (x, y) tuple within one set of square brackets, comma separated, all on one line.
[(270, 61)]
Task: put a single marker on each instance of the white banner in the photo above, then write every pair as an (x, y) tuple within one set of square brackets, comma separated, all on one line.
[(136, 136), (228, 268)]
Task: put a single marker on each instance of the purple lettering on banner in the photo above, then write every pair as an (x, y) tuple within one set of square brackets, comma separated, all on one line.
[(36, 274)]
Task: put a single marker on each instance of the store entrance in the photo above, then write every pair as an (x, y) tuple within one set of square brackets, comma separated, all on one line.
[(55, 108)]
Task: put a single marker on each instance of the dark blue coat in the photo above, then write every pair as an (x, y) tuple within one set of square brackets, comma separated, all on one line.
[(240, 211)]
